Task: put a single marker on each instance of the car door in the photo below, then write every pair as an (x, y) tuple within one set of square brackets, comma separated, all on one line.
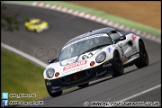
[(124, 45)]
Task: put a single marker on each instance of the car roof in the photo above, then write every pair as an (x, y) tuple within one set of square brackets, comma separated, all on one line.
[(90, 33)]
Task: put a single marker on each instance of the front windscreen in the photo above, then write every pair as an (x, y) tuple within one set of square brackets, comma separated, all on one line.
[(38, 22), (82, 46)]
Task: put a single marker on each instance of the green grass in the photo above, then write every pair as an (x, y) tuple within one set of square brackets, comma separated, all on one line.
[(104, 15), (18, 75)]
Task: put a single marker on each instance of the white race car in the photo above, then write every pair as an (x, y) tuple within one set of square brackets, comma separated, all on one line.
[(93, 55)]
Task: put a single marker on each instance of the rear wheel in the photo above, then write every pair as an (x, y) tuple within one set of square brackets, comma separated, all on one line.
[(117, 65), (143, 59)]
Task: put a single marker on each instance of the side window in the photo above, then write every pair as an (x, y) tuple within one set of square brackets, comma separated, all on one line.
[(115, 36)]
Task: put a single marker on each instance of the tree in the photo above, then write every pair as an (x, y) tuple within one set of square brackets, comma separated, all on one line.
[(9, 20)]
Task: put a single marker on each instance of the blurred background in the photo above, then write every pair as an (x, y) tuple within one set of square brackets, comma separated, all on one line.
[(145, 12)]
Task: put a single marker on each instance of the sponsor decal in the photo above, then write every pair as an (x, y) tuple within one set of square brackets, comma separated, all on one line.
[(77, 64), (134, 36), (90, 54), (84, 57), (98, 35), (87, 56), (109, 49), (133, 56)]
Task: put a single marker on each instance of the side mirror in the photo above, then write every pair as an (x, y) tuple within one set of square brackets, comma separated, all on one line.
[(53, 60), (121, 38)]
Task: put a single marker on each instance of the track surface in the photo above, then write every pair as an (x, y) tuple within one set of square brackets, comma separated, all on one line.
[(64, 27)]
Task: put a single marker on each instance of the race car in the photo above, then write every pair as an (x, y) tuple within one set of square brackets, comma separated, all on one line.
[(36, 25), (93, 55)]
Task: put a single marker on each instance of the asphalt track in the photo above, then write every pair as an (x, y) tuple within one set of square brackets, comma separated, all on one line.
[(64, 27)]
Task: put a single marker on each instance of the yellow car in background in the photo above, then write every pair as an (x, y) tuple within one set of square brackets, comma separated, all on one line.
[(36, 25)]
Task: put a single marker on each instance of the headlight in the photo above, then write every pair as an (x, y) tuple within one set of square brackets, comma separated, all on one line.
[(101, 57), (50, 72)]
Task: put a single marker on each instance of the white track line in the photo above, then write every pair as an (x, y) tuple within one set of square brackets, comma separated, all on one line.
[(138, 94), (24, 55)]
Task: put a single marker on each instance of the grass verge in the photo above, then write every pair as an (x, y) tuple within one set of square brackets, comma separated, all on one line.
[(19, 75), (22, 76)]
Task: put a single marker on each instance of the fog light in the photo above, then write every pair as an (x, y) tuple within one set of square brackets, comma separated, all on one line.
[(92, 63), (57, 74)]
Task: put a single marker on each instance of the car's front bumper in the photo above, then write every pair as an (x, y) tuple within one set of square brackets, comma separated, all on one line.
[(77, 78)]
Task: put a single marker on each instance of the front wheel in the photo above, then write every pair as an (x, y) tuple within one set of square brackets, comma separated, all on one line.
[(35, 31), (58, 93), (55, 94), (83, 85), (117, 65), (143, 59)]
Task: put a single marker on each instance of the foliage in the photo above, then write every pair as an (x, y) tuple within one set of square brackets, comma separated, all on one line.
[(9, 20)]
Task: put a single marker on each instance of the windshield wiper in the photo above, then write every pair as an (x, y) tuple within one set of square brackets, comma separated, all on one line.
[(93, 48)]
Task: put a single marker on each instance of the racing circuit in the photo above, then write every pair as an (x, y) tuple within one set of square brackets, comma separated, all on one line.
[(63, 27)]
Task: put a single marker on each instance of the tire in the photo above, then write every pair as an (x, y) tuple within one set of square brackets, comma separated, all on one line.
[(143, 59), (83, 85), (35, 31), (58, 93), (117, 65), (55, 94)]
